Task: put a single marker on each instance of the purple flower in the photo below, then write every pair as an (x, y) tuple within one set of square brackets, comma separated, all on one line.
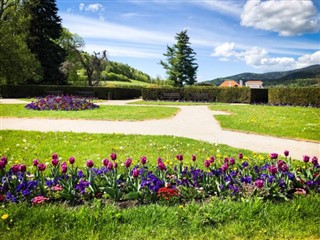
[(55, 161), (64, 167), (212, 159), (72, 160), (143, 160), (161, 166), (273, 169), (259, 183), (240, 155), (179, 157), (89, 163), (55, 156), (245, 164), (286, 153), (110, 166), (224, 167), (35, 162), (135, 173), (41, 167), (207, 163), (193, 158), (128, 163), (314, 161), (4, 159), (232, 161), (15, 168), (113, 156), (226, 160), (284, 168), (22, 167), (105, 162), (115, 165), (2, 164), (273, 155), (306, 158)]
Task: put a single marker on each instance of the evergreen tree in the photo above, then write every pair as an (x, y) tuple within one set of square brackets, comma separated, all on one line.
[(45, 28), (181, 67)]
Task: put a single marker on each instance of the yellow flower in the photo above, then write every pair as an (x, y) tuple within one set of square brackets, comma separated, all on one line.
[(304, 167), (235, 169), (180, 206), (4, 216)]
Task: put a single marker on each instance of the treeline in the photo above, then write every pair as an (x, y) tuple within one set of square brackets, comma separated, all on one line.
[(116, 71)]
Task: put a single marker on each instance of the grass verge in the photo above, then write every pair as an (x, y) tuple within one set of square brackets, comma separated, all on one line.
[(171, 103), (290, 122), (215, 219), (119, 113), (24, 146)]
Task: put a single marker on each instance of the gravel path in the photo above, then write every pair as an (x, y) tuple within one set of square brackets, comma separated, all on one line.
[(196, 122)]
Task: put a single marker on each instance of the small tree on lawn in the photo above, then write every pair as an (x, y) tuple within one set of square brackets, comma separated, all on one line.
[(180, 66)]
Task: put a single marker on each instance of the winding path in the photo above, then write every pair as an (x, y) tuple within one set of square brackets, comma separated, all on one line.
[(196, 122)]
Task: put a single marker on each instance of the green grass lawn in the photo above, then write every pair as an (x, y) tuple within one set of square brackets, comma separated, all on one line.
[(24, 146), (119, 113), (215, 219), (98, 219), (288, 122)]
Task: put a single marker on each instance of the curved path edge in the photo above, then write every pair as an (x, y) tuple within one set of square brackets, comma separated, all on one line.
[(196, 122)]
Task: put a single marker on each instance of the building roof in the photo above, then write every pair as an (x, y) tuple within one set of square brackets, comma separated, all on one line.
[(254, 82), (229, 83)]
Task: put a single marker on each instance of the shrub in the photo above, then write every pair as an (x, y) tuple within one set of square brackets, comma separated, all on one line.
[(295, 96)]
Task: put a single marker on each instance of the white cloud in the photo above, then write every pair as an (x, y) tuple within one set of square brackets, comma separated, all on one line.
[(288, 18), (94, 7), (224, 50), (309, 59), (81, 6), (259, 58)]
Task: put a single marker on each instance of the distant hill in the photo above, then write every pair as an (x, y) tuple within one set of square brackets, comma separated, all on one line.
[(304, 76)]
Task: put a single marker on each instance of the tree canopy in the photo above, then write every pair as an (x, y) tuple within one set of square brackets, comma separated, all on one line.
[(181, 66)]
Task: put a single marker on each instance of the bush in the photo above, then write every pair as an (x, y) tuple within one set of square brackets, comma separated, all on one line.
[(229, 95), (295, 96), (28, 91)]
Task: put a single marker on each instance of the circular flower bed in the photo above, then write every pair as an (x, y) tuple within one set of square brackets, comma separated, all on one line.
[(62, 103), (59, 180)]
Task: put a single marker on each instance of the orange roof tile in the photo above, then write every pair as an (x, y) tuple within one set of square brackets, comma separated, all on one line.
[(229, 83)]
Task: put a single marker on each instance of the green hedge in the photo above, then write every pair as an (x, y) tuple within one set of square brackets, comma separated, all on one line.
[(215, 94), (27, 91), (295, 96)]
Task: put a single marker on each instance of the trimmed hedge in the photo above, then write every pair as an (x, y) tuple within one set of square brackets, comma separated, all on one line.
[(27, 91), (295, 96), (259, 95), (215, 94)]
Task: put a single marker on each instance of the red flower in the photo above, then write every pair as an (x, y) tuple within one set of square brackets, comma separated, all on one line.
[(167, 193)]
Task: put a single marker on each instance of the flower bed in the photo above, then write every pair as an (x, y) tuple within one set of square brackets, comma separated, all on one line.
[(62, 103), (275, 179)]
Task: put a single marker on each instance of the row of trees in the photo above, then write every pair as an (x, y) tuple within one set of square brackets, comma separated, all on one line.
[(35, 48)]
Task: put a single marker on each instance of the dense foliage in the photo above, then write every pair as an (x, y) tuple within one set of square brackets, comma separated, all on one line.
[(295, 96), (17, 63), (45, 27), (168, 182), (61, 103), (180, 64)]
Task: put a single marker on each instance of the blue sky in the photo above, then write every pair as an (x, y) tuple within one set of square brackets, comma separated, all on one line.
[(229, 37)]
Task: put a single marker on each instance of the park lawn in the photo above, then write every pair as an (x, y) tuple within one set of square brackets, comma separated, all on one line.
[(213, 219), (118, 113), (24, 146), (280, 121)]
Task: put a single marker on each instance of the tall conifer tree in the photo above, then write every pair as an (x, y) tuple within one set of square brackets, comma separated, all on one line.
[(45, 29), (181, 66)]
